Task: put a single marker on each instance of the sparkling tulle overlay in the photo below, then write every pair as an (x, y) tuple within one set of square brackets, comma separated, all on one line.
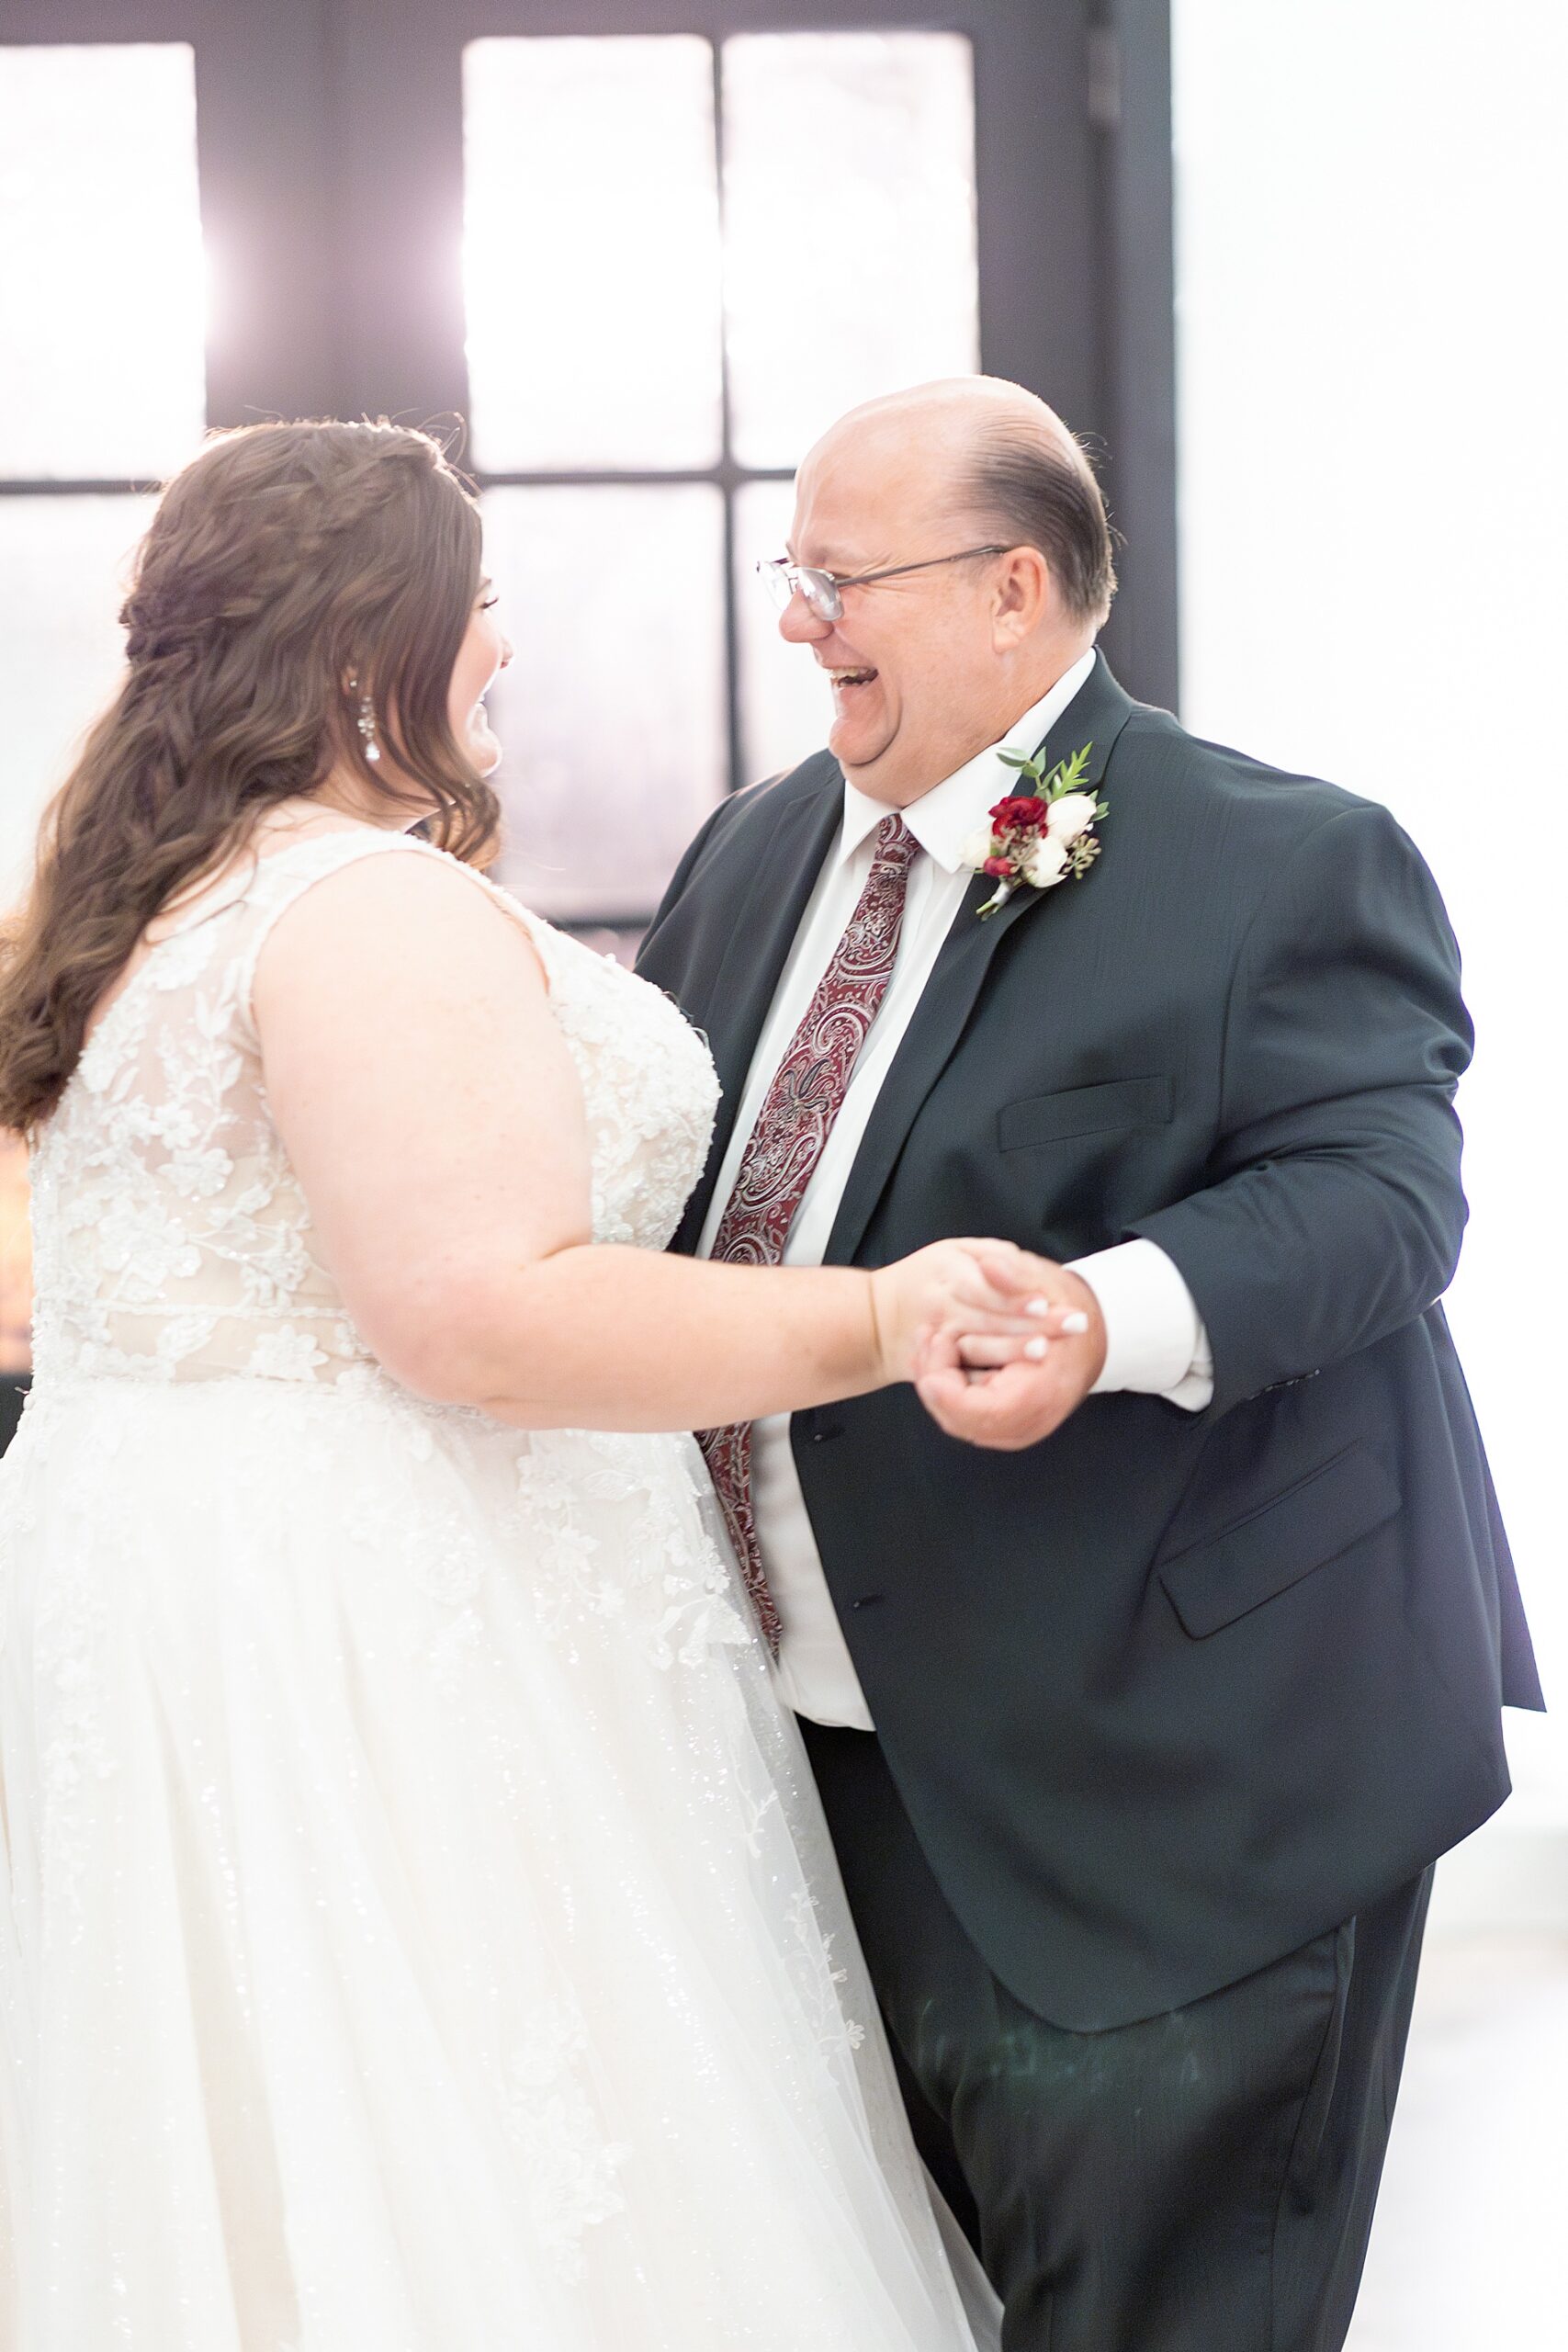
[(416, 1931)]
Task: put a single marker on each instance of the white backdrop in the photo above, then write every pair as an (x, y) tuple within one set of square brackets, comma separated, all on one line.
[(1371, 205)]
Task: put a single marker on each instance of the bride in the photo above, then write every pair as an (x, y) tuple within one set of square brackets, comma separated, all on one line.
[(417, 1933)]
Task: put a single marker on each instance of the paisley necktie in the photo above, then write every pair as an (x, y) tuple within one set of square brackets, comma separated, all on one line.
[(786, 1143)]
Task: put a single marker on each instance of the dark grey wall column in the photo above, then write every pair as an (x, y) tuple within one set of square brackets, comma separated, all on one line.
[(1130, 101)]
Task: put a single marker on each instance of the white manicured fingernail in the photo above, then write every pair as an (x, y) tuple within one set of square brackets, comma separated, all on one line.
[(1074, 1322), (1036, 1348), (1037, 1307)]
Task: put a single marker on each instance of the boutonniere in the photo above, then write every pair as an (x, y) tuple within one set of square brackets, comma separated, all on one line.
[(1039, 833)]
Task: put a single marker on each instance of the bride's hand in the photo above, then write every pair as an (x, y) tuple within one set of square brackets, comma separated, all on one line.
[(968, 1291), (980, 1389)]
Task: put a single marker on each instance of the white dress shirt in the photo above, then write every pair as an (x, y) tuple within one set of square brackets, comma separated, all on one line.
[(1156, 1341)]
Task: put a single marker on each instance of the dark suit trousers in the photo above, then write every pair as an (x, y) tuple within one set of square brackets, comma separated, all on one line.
[(1201, 2181)]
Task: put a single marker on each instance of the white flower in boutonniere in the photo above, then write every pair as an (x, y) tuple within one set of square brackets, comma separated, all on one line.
[(1045, 862), (1073, 814), (1041, 833)]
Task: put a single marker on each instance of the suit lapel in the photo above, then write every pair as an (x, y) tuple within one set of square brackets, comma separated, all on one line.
[(766, 916), (1095, 716)]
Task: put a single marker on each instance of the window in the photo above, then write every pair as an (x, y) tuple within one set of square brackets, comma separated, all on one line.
[(101, 383), (683, 259)]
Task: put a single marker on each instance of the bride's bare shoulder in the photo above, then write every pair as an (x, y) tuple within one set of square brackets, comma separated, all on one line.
[(393, 911)]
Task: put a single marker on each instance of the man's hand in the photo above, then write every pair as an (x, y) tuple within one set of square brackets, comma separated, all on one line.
[(982, 1390), (988, 1297)]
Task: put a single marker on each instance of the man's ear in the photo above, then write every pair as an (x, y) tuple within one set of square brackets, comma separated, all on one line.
[(1024, 594)]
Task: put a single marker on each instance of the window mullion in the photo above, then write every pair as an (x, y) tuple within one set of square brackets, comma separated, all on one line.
[(730, 476)]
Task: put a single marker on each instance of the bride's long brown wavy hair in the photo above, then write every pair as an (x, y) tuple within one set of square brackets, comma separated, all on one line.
[(284, 561)]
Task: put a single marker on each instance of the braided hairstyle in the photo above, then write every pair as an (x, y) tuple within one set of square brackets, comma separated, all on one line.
[(282, 562)]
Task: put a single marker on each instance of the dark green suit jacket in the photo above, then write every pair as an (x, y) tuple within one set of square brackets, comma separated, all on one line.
[(1169, 1693)]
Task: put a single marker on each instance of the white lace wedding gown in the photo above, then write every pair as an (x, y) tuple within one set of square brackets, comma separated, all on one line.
[(414, 1931)]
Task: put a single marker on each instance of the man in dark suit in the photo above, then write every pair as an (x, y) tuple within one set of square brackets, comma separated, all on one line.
[(1139, 1729)]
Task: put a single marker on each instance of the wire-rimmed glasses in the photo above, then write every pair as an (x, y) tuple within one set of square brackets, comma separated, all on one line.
[(784, 579)]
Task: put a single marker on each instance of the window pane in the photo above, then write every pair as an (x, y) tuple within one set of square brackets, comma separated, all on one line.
[(849, 199), (590, 253), (612, 713), (786, 708), (101, 373), (63, 564)]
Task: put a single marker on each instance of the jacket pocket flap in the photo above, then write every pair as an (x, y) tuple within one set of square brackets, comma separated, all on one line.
[(1084, 1110), (1214, 1582)]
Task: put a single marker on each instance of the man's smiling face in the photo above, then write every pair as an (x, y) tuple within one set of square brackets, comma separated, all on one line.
[(920, 682)]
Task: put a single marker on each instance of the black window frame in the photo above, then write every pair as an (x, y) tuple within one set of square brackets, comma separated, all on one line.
[(329, 150), (330, 146)]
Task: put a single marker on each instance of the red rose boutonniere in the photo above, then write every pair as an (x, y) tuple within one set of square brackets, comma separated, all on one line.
[(1041, 833)]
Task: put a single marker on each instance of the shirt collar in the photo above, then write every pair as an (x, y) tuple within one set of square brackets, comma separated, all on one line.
[(943, 819)]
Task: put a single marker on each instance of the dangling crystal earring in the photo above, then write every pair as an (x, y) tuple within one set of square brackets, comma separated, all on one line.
[(366, 720)]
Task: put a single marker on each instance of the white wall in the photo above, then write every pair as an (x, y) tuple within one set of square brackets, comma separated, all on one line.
[(1372, 202)]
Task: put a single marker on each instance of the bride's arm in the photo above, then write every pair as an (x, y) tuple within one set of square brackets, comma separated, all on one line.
[(432, 1114)]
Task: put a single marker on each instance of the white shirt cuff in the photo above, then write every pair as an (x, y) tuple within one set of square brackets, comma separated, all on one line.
[(1155, 1339)]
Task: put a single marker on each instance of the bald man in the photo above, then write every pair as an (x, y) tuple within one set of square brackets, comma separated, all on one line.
[(1143, 1681)]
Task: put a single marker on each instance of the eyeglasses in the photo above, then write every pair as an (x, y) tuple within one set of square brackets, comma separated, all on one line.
[(784, 579)]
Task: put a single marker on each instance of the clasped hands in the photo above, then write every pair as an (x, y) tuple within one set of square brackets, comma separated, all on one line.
[(1001, 1345)]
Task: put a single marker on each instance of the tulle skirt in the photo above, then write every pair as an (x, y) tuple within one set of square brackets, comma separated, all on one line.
[(417, 1930)]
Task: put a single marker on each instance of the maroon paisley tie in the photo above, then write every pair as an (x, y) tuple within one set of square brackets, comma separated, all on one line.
[(787, 1143)]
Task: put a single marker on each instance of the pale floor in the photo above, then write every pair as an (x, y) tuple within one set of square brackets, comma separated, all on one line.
[(1470, 2248)]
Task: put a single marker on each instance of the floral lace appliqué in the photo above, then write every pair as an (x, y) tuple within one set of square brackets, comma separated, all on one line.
[(663, 1576), (171, 1238), (569, 2164), (818, 1980)]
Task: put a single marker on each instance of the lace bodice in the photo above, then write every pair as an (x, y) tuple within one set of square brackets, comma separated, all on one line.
[(172, 1240)]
